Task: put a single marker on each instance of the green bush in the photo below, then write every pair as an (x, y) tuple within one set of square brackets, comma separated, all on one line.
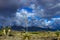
[(1, 32), (57, 33), (35, 33)]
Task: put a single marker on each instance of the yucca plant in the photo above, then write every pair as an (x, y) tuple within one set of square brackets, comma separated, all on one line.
[(26, 35), (8, 31), (4, 30)]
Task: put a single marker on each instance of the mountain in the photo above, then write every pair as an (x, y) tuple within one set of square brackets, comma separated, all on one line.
[(18, 28), (33, 28)]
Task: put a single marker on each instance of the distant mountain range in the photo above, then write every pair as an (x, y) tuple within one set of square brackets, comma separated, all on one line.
[(33, 28)]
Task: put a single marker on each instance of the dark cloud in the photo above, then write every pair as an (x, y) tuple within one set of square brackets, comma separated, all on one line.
[(8, 8), (9, 3), (51, 8)]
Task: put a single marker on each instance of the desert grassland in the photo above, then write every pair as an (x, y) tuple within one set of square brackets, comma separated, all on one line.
[(40, 35)]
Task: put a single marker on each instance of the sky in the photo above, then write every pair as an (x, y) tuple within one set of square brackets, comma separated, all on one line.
[(40, 13)]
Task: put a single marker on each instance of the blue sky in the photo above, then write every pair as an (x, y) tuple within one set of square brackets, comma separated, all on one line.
[(40, 13)]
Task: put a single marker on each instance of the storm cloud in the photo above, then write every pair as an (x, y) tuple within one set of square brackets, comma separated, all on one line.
[(50, 7), (45, 9)]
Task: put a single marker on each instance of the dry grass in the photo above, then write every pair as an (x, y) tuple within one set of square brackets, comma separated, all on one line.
[(30, 36)]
